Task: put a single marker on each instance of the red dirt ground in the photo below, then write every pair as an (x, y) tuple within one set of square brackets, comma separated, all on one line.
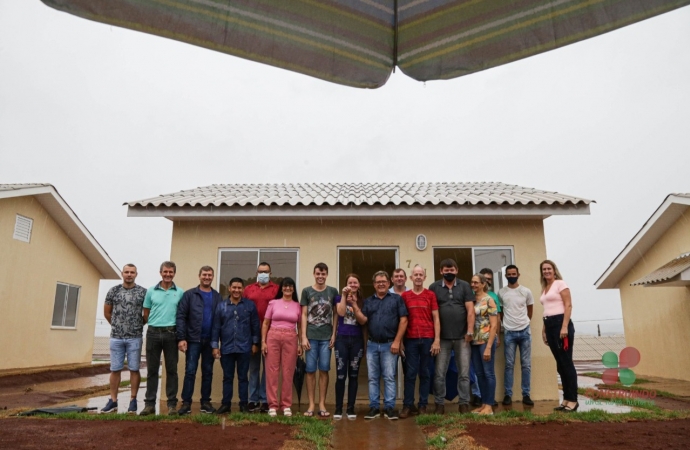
[(54, 434), (662, 435), (28, 379)]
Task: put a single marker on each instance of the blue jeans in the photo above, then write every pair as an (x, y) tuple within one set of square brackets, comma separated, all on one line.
[(474, 384), (129, 346), (257, 379), (229, 362), (417, 357), (194, 351), (381, 364), (462, 361), (511, 340), (485, 372), (319, 355), (348, 355)]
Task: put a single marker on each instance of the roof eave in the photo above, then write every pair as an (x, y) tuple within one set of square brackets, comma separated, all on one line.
[(659, 222), (357, 212)]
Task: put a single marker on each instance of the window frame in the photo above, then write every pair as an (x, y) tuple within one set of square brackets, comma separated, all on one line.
[(258, 251), (64, 308)]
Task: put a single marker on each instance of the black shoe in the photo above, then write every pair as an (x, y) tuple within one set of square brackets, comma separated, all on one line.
[(148, 410), (186, 409), (244, 408), (225, 409), (253, 407), (351, 413), (373, 413), (527, 401), (338, 414), (391, 414), (264, 408), (568, 409), (559, 408), (476, 400), (507, 400), (172, 410), (207, 408)]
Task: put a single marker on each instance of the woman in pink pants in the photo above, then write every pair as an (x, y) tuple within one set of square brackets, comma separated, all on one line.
[(280, 345)]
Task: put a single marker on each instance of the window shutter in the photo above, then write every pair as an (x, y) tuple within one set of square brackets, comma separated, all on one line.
[(22, 228)]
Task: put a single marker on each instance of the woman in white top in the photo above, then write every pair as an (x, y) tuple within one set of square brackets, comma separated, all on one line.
[(558, 331)]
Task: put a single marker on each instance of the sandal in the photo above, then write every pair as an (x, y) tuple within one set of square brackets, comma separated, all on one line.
[(287, 412), (309, 414), (323, 414), (272, 413), (568, 409)]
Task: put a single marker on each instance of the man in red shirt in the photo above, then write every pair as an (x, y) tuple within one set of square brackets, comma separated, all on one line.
[(422, 341), (261, 292)]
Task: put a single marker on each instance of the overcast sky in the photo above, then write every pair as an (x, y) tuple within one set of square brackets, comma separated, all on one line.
[(109, 115)]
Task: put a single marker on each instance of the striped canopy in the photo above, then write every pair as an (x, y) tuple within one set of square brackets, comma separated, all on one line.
[(359, 42)]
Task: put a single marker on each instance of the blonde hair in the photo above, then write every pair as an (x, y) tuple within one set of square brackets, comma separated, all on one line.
[(482, 278), (556, 273)]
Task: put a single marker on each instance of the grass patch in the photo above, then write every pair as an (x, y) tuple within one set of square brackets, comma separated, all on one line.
[(318, 432)]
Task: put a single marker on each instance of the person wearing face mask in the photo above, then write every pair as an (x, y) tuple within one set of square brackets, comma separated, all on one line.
[(516, 316), (456, 313), (261, 293)]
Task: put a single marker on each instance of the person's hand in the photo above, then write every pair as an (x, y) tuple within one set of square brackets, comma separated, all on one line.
[(395, 347), (216, 353), (264, 348), (543, 336), (182, 346), (305, 344), (300, 352), (435, 348), (331, 343), (487, 354), (564, 332), (468, 338), (255, 349)]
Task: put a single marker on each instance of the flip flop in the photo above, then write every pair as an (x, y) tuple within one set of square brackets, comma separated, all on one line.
[(324, 414), (309, 414)]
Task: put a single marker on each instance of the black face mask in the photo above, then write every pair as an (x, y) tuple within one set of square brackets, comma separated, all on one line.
[(512, 280), (449, 277)]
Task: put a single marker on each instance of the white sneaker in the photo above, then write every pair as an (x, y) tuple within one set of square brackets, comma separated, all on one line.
[(272, 412), (287, 412)]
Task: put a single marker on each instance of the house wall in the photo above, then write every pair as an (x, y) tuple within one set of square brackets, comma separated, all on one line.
[(196, 243), (657, 319), (29, 273)]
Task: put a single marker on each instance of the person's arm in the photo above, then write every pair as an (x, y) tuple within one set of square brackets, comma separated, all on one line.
[(436, 345), (264, 335), (147, 306), (331, 344), (299, 338), (341, 306), (530, 309), (181, 322), (255, 328), (215, 333), (493, 326), (469, 306), (305, 341), (530, 304), (568, 310), (402, 326), (108, 312), (362, 319)]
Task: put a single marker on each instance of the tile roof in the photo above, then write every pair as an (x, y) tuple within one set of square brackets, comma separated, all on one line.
[(665, 272), (355, 194), (17, 186)]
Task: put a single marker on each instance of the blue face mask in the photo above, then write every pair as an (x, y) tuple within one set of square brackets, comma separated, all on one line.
[(512, 280), (263, 278)]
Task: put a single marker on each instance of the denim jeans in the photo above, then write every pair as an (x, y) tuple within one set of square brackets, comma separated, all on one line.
[(318, 356), (348, 355), (121, 347), (228, 362), (194, 351), (474, 384), (161, 340), (257, 378), (512, 340), (462, 361), (417, 356), (381, 364), (485, 372), (564, 358)]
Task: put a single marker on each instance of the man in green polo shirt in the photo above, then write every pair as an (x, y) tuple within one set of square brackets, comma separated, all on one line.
[(160, 312)]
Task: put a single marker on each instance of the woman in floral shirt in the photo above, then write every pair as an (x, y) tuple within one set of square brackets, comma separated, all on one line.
[(484, 342)]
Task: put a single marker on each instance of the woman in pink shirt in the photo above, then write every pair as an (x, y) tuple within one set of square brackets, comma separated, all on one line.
[(280, 345), (558, 331)]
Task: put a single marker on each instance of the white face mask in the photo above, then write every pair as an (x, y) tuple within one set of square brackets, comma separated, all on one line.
[(263, 278)]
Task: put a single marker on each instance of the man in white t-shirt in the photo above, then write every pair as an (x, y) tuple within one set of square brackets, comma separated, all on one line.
[(517, 304)]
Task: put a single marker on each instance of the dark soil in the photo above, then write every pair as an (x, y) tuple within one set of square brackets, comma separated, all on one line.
[(662, 435), (28, 379), (54, 434)]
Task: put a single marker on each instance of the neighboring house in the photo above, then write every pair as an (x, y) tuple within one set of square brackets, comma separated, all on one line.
[(50, 271), (363, 228), (653, 276)]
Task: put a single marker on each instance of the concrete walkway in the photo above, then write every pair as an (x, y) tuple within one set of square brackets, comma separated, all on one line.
[(376, 434)]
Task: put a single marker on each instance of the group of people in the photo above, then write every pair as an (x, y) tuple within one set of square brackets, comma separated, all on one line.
[(261, 330)]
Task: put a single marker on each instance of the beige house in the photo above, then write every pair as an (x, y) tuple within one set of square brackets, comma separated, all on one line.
[(50, 270), (653, 276), (363, 228)]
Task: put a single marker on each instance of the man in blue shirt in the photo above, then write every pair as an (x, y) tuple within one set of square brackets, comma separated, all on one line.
[(235, 336), (386, 317), (194, 323)]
